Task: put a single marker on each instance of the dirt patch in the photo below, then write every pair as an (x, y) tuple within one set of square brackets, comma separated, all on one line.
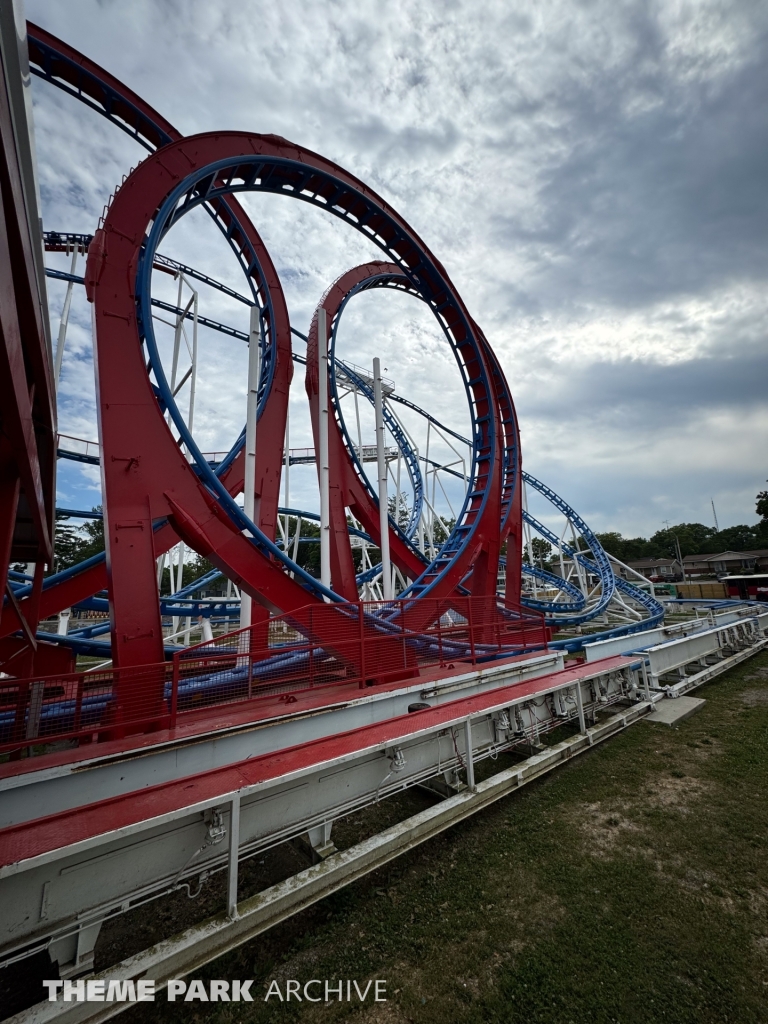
[(755, 698), (676, 793), (758, 900), (602, 827), (383, 1013), (605, 825)]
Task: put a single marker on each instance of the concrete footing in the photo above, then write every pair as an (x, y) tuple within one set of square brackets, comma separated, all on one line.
[(672, 712)]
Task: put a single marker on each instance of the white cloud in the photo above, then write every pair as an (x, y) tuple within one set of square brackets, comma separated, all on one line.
[(591, 176)]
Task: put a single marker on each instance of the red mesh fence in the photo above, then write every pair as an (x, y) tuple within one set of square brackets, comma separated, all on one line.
[(364, 644)]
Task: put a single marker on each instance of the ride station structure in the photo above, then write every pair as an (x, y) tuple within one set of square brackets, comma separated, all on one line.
[(423, 647)]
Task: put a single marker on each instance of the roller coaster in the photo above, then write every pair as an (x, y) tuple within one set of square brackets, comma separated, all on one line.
[(491, 514), (216, 725)]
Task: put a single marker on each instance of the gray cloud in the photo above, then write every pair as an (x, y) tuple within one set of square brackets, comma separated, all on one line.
[(591, 175), (632, 390), (670, 201)]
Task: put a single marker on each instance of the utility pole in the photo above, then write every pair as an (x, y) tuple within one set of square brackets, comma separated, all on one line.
[(677, 547)]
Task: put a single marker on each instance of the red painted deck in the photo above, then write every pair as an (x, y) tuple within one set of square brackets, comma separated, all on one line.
[(241, 714), (31, 839)]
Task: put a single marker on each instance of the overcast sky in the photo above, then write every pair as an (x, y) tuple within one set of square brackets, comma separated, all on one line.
[(592, 176)]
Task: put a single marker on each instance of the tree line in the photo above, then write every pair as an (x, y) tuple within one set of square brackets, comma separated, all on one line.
[(694, 538)]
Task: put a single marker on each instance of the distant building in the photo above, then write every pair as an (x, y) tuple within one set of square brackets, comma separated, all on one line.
[(656, 567), (726, 561)]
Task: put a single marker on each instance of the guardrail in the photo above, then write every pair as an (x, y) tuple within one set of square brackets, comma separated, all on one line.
[(374, 643), (78, 446)]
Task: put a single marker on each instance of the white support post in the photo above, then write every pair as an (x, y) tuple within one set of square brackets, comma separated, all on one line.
[(323, 467), (296, 540), (470, 764), (180, 569), (179, 586), (646, 683), (193, 380), (580, 708), (386, 561), (581, 574), (397, 514), (36, 693), (249, 484), (560, 551), (177, 337), (232, 862), (62, 338), (529, 542), (174, 588), (359, 431)]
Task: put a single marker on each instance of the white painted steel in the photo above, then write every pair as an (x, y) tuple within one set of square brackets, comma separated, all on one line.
[(62, 337), (249, 484), (35, 794), (77, 886), (709, 673), (187, 952), (662, 634), (102, 875), (386, 564), (678, 653), (469, 765), (233, 856)]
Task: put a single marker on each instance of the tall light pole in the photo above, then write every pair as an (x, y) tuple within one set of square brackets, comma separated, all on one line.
[(249, 482)]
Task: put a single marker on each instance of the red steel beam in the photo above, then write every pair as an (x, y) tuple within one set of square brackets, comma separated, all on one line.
[(147, 478), (346, 488), (27, 414)]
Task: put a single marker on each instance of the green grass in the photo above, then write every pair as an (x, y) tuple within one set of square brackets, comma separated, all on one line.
[(629, 886)]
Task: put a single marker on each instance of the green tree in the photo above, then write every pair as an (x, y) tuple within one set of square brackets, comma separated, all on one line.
[(626, 549), (308, 554), (439, 532), (733, 538), (67, 544), (692, 538), (74, 544), (762, 506), (194, 568), (541, 550), (403, 509)]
